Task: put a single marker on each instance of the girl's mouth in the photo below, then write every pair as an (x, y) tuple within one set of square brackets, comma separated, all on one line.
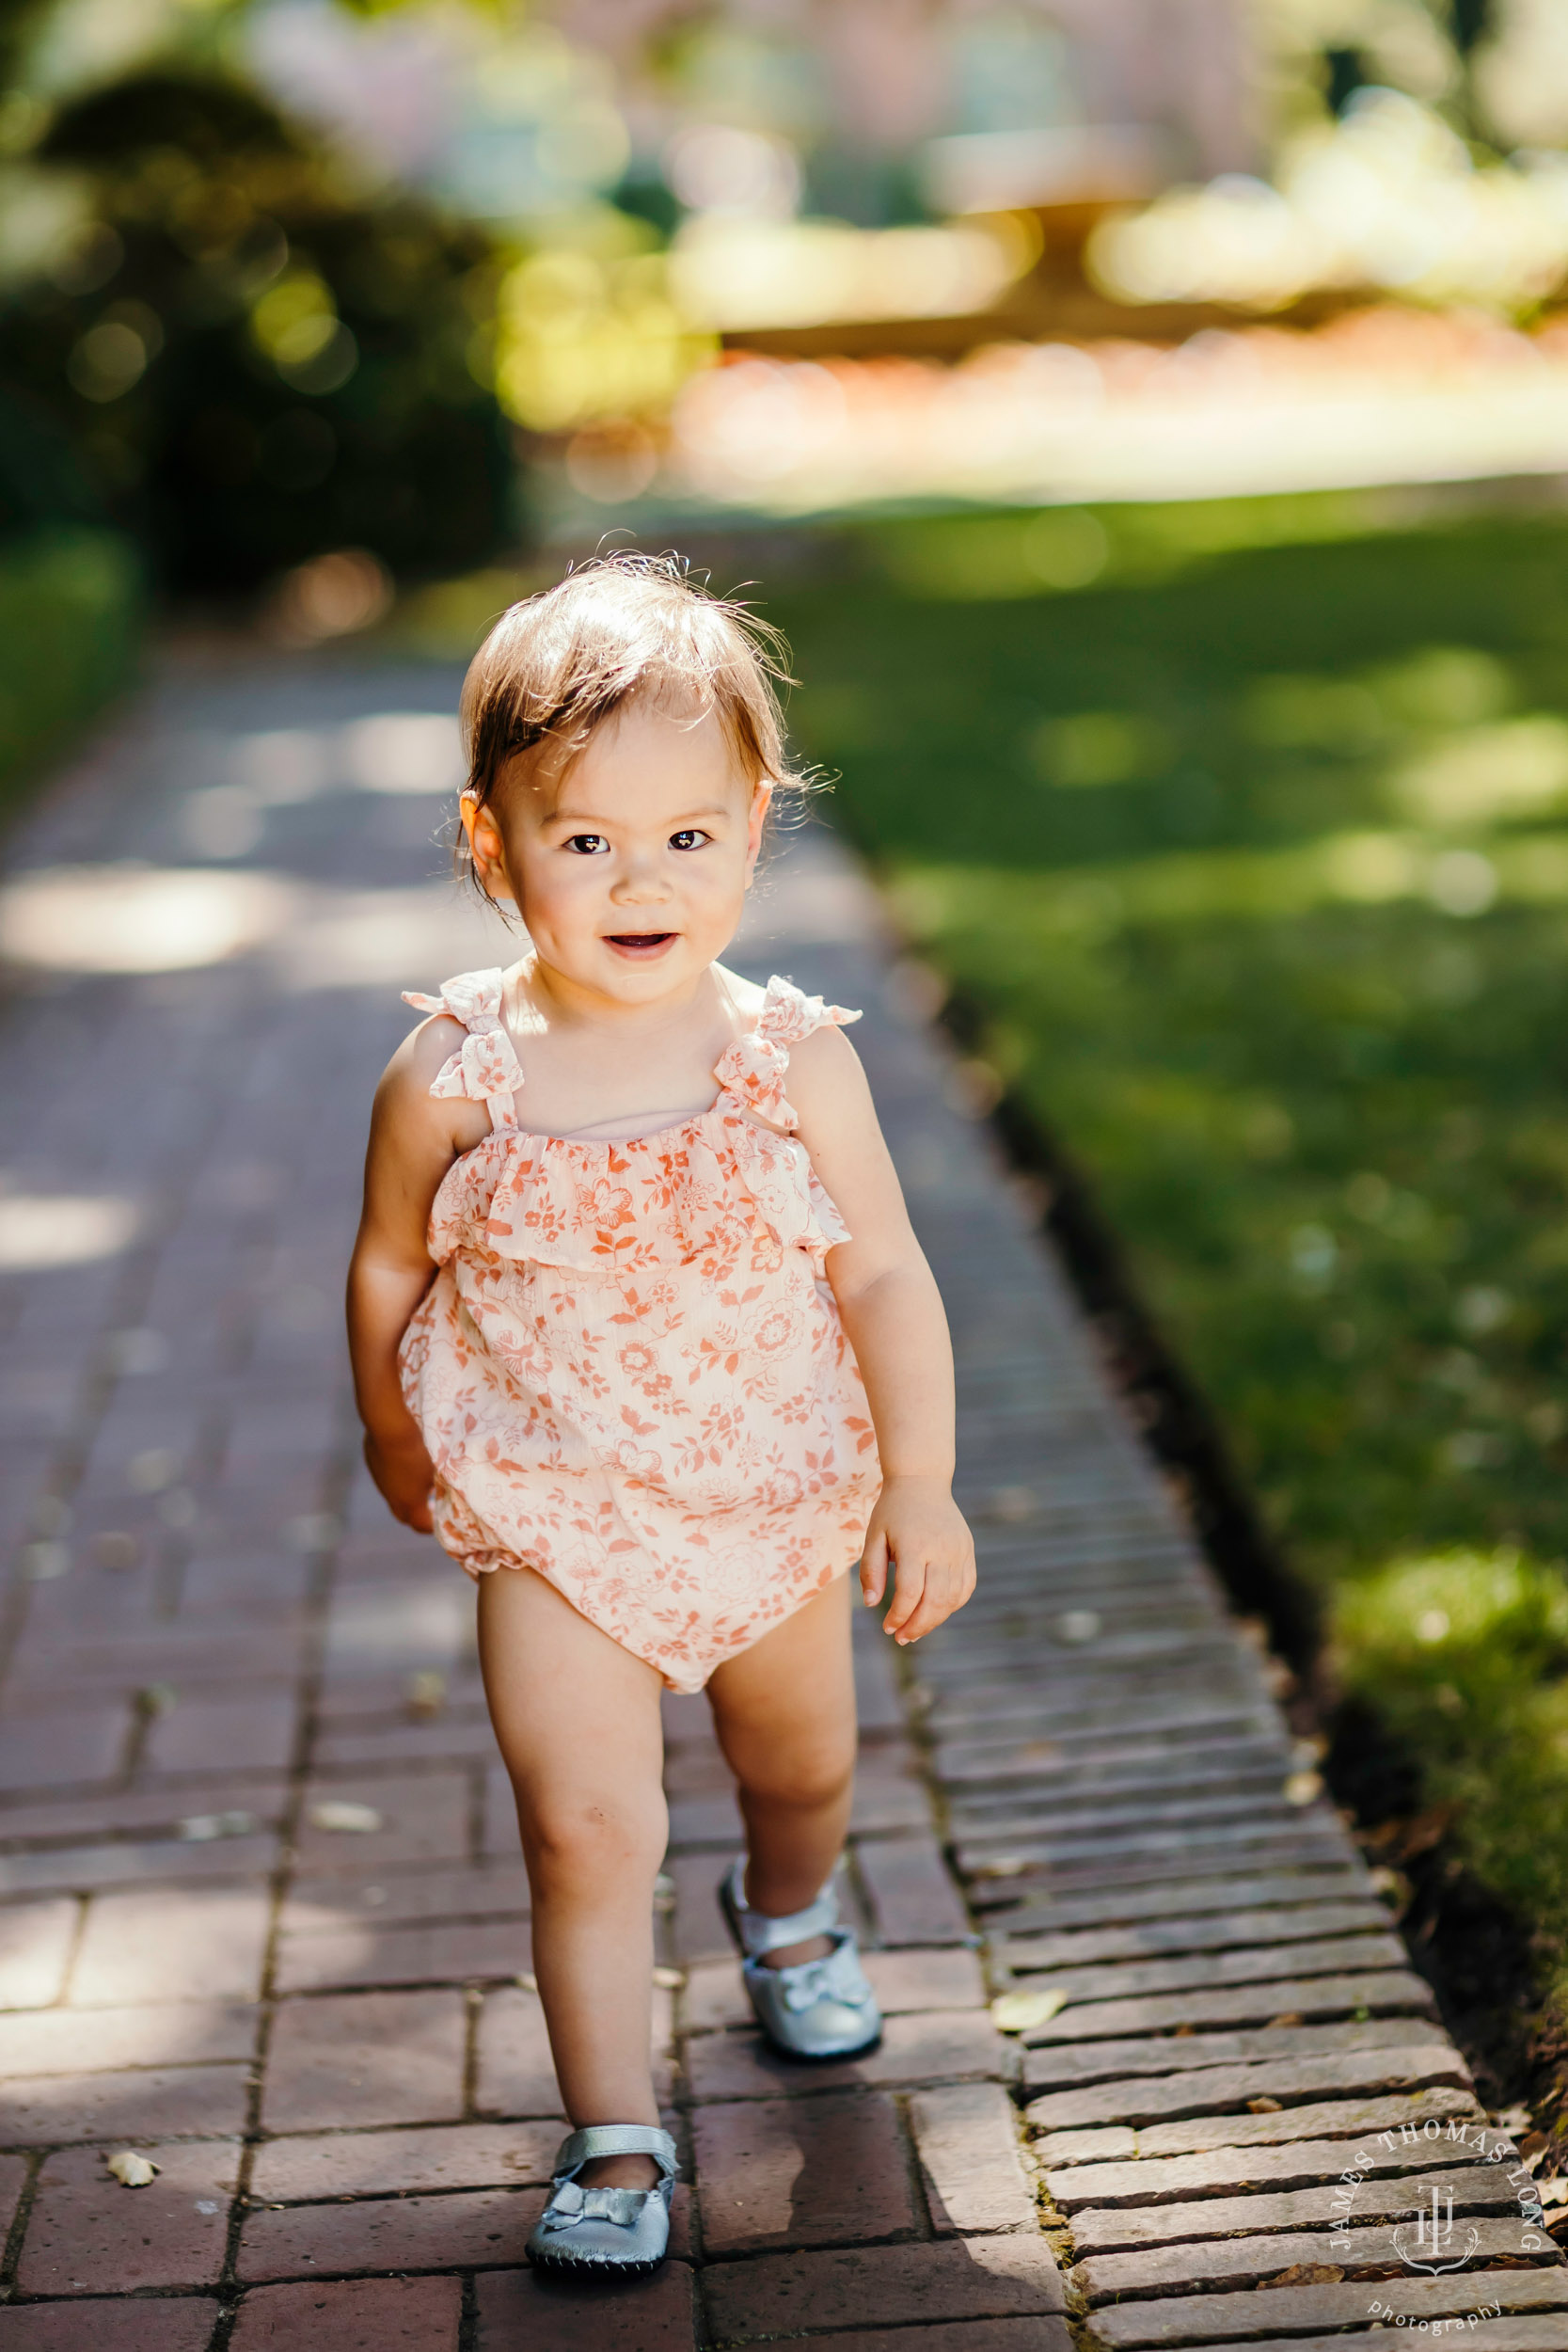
[(642, 944)]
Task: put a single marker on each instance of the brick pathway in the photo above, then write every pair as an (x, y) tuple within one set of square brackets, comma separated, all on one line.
[(261, 1916)]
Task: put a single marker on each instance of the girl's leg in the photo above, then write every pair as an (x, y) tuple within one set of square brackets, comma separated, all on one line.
[(784, 1714), (578, 1720)]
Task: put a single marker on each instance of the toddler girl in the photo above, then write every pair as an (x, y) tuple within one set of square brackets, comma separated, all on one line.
[(656, 1364)]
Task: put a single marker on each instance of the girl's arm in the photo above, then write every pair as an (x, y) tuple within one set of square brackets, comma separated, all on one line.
[(893, 1314), (413, 1142)]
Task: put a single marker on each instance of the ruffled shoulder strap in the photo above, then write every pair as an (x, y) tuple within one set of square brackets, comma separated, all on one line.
[(485, 1067), (751, 1071)]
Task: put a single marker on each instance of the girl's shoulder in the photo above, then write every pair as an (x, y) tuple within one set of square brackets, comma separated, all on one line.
[(780, 1012), (790, 1059), (743, 999)]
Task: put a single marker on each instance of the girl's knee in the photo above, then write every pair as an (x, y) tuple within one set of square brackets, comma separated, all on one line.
[(807, 1777), (588, 1838)]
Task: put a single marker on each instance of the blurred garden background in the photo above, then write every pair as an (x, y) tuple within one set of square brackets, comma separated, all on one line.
[(1149, 421)]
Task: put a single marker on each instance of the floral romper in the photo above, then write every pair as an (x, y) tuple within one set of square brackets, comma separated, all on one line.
[(630, 1369)]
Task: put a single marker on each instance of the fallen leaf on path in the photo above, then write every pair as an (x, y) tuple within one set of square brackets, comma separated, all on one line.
[(1303, 1787), (427, 1695), (129, 2170), (1017, 2012), (197, 1828), (1264, 2106), (337, 1813), (1078, 1625)]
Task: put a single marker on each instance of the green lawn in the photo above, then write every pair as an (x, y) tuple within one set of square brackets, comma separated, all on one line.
[(1256, 855)]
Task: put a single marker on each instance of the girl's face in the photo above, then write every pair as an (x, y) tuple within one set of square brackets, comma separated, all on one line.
[(630, 871)]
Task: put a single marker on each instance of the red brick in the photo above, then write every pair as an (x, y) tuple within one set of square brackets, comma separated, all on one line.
[(366, 2057), (934, 2046), (699, 1929), (686, 1716), (154, 2103), (879, 1701), (87, 2042), (498, 1830), (167, 2324), (13, 2171), (935, 1978), (822, 2171), (516, 2073), (82, 1868), (977, 2277), (428, 1952), (233, 1734), (714, 1996), (357, 2163), (35, 1945), (450, 1735), (526, 2308), (968, 2140), (709, 1819), (318, 1906), (424, 1819), (154, 1810), (216, 1583), (87, 2234), (45, 1751), (961, 2335), (353, 2315), (914, 1898), (186, 1944), (696, 1768), (475, 2227)]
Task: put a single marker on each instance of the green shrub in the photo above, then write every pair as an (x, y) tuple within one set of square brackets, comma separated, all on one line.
[(252, 361), (71, 615)]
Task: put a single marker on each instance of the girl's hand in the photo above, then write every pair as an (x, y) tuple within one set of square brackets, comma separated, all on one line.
[(405, 1472), (919, 1529)]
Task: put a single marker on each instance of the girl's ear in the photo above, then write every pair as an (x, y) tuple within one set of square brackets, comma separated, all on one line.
[(762, 794), (484, 846)]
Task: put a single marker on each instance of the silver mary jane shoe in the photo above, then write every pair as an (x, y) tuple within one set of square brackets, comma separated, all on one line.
[(604, 2230), (819, 2008)]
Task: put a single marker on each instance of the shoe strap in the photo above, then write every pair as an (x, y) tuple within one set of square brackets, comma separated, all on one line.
[(761, 1934), (839, 1976), (616, 2139)]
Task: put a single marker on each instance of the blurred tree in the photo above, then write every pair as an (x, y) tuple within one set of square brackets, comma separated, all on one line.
[(253, 361), (1471, 22), (1346, 72)]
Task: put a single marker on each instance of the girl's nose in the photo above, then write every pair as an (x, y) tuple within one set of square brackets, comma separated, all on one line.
[(640, 882)]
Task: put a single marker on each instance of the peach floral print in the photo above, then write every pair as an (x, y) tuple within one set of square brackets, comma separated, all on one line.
[(630, 1369)]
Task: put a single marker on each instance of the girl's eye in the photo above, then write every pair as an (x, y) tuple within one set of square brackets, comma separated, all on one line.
[(587, 843), (689, 838)]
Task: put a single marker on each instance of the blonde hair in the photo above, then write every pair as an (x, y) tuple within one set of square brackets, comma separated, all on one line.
[(624, 629)]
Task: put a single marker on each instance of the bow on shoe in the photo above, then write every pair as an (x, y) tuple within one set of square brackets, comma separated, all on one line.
[(827, 1979), (571, 2205)]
